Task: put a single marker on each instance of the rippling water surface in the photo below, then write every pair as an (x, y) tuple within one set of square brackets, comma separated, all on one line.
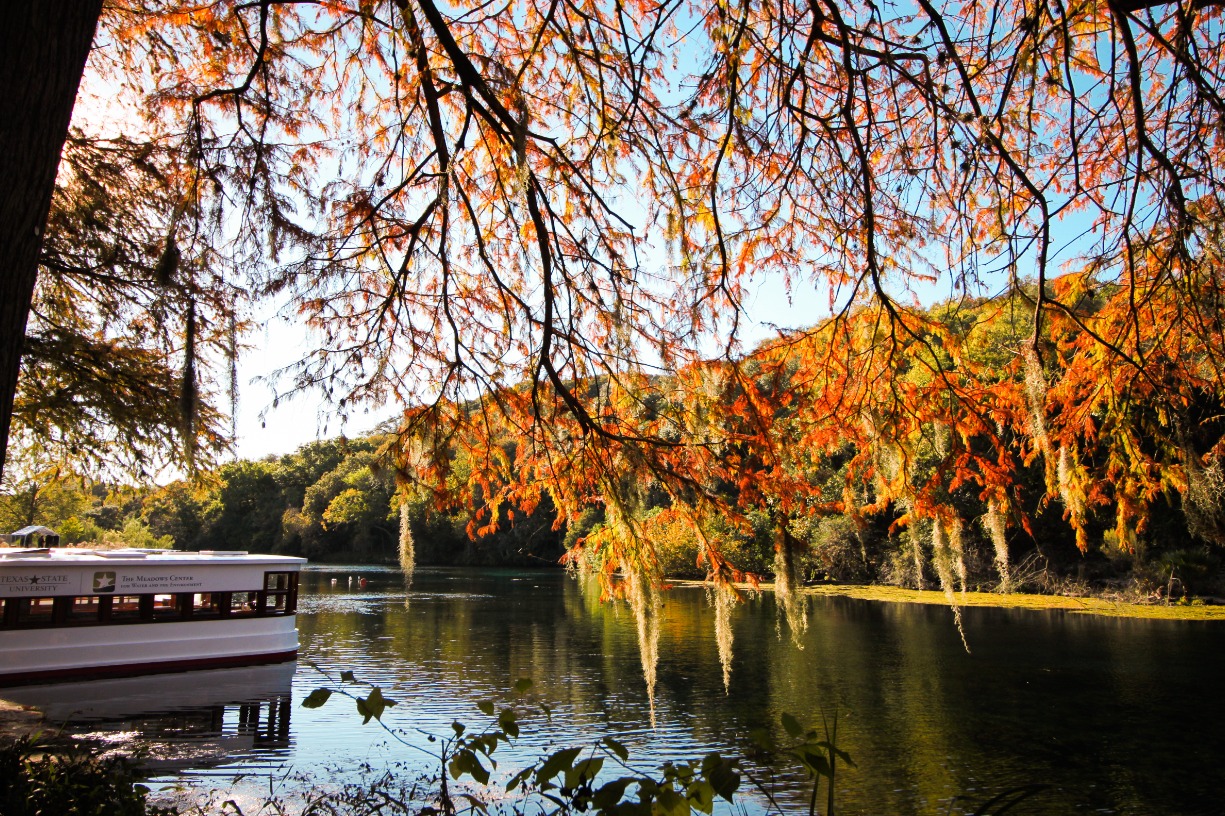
[(1113, 716)]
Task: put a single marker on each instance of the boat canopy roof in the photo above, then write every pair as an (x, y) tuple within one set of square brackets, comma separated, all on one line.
[(33, 529), (34, 534), (136, 555)]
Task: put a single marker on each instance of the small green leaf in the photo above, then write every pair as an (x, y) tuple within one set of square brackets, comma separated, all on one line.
[(702, 796), (376, 694), (611, 793), (519, 778), (317, 698), (617, 748), (792, 725), (555, 764), (459, 728), (816, 763), (509, 722), (486, 707), (347, 677), (468, 762), (724, 778), (672, 803), (522, 685), (584, 771), (479, 772), (373, 705)]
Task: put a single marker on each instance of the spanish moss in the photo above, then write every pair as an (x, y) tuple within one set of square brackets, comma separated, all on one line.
[(408, 553), (995, 524), (942, 560), (723, 598)]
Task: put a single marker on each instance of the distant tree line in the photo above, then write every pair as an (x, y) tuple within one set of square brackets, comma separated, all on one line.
[(328, 501)]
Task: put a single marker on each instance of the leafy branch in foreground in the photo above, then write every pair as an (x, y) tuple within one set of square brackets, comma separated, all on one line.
[(818, 756), (570, 780), (465, 753), (600, 779)]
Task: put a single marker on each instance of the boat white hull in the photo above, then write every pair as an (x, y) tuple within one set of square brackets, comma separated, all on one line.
[(46, 655)]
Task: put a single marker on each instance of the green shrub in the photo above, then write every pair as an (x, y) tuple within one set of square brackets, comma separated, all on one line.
[(37, 780)]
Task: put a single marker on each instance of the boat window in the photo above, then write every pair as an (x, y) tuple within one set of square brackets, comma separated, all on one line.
[(34, 611), (124, 609), (205, 605), (165, 607), (244, 604), (281, 593), (60, 608), (85, 609)]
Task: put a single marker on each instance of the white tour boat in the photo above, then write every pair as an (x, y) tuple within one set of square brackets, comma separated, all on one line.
[(76, 613)]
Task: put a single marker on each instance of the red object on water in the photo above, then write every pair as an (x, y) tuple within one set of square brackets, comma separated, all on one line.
[(361, 582)]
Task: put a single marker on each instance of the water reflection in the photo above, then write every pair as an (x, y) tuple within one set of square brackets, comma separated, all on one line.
[(1116, 716), (191, 721)]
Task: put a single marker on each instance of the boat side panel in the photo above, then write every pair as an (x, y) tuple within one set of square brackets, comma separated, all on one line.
[(54, 653)]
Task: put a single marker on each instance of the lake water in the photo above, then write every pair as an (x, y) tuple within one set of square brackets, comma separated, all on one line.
[(1111, 715)]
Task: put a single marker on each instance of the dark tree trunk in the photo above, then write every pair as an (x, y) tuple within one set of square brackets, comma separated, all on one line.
[(43, 47)]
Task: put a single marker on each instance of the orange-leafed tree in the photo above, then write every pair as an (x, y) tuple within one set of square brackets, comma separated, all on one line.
[(513, 215)]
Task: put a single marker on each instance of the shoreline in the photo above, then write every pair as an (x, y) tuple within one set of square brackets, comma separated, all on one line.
[(17, 721), (1089, 605)]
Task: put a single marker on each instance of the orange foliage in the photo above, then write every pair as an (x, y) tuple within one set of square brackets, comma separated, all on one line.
[(535, 222)]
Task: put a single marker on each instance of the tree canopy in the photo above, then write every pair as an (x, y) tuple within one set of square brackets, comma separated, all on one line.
[(507, 217), (121, 338)]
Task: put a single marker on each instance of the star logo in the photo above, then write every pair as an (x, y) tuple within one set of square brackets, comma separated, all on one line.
[(104, 582), (34, 579)]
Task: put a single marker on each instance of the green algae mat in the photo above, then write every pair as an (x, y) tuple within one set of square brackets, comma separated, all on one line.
[(1087, 606)]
